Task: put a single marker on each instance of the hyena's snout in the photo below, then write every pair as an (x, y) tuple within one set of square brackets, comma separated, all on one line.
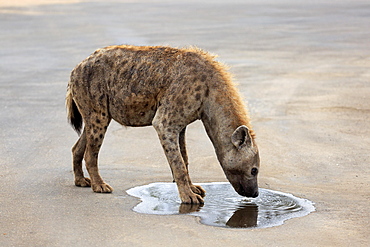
[(248, 191), (248, 188)]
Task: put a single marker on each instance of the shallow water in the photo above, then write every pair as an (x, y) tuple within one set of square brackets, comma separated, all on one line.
[(223, 207)]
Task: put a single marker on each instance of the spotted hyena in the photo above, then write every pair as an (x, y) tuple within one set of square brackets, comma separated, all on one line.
[(168, 88)]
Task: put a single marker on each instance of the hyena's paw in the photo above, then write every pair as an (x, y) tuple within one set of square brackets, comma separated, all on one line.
[(192, 198), (83, 182), (197, 189), (102, 188)]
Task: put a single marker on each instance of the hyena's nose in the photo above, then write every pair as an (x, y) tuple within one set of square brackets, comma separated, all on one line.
[(255, 194), (248, 191)]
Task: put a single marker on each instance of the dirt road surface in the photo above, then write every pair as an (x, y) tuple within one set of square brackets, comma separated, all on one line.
[(303, 68)]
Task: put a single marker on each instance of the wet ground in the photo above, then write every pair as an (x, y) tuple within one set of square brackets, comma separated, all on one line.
[(223, 207), (303, 67)]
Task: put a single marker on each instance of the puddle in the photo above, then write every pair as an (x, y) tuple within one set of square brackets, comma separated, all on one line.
[(223, 207)]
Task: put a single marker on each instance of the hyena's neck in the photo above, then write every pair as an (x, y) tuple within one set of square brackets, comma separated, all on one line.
[(222, 114)]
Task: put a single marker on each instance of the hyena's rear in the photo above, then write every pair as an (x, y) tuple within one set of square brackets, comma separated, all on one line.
[(165, 87)]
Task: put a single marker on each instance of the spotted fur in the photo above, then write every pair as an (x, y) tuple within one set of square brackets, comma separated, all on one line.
[(168, 88)]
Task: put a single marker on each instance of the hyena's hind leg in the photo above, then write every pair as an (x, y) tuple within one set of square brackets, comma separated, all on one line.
[(197, 189), (96, 126), (78, 152)]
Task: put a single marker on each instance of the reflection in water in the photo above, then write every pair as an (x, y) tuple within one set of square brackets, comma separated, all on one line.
[(245, 216), (189, 208), (223, 207)]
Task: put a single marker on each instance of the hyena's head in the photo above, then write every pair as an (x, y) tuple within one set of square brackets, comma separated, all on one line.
[(241, 163)]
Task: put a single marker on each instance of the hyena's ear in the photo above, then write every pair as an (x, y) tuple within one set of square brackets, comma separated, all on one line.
[(241, 137)]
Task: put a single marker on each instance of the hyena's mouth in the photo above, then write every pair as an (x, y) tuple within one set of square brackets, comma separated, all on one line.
[(247, 191)]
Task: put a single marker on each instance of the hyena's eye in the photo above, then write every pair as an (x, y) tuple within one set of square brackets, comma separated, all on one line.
[(254, 171)]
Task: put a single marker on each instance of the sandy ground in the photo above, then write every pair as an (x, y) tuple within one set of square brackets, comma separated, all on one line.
[(303, 67), (28, 3)]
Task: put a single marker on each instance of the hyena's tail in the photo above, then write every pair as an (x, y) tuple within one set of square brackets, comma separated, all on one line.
[(74, 115)]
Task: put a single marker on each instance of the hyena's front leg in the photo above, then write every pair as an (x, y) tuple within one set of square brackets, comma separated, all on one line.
[(169, 139), (78, 152), (195, 188), (95, 130)]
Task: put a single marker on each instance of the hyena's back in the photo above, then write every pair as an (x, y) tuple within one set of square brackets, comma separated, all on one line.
[(128, 83)]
